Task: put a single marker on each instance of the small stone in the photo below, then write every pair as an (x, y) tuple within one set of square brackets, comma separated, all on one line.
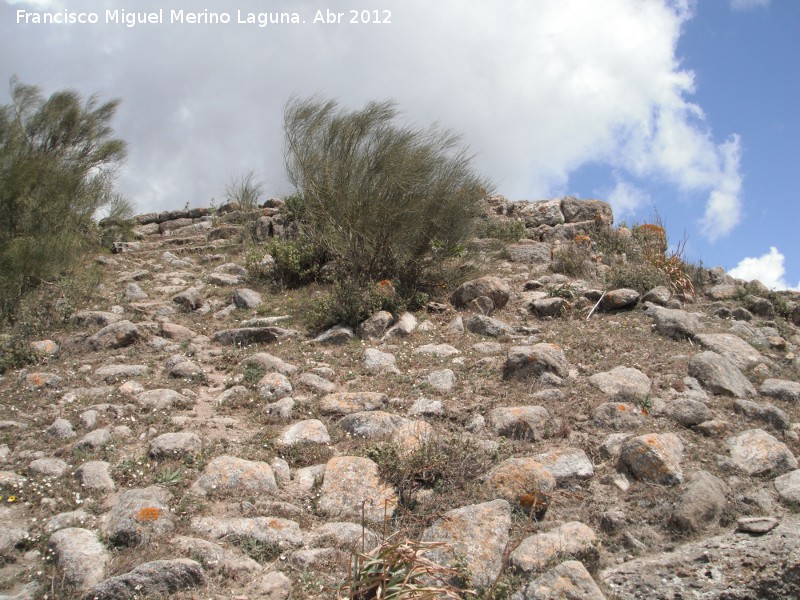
[(375, 360), (189, 299), (756, 525), (574, 540), (283, 533), (495, 288), (335, 336), (619, 415), (524, 483), (788, 487), (619, 299), (488, 326), (567, 464), (311, 431), (780, 389), (766, 412), (116, 335), (521, 422), (404, 326), (655, 458), (49, 467), (139, 515), (344, 403), (688, 412), (755, 452), (436, 350), (567, 581), (442, 381), (719, 375), (229, 475), (158, 578), (702, 503), (532, 361), (79, 556), (176, 445), (96, 475), (372, 424), (623, 383), (60, 429), (426, 407), (274, 386), (317, 383), (375, 326), (246, 298)]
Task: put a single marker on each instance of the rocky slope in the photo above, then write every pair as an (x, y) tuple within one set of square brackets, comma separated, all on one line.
[(184, 437)]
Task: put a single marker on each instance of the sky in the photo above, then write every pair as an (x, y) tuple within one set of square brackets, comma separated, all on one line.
[(678, 108)]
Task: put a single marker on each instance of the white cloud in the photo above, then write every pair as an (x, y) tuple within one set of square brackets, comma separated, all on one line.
[(768, 268), (740, 5), (537, 88), (626, 198)]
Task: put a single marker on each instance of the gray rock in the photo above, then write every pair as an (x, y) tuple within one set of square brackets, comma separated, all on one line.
[(755, 452), (113, 373), (73, 518), (529, 253), (488, 326), (702, 503), (60, 429), (442, 381), (283, 533), (788, 487), (245, 336), (163, 399), (348, 536), (523, 482), (96, 476), (116, 335), (495, 288), (655, 458), (176, 445), (225, 279), (268, 362), (781, 389), (567, 464), (567, 581), (760, 306), (579, 210), (426, 407), (274, 386), (186, 369), (190, 299), (351, 487), (246, 298), (96, 439), (48, 467), (547, 307), (311, 431), (676, 324), (542, 212), (270, 586), (727, 567), (436, 350), (134, 292), (533, 361), (756, 525), (766, 412), (345, 403), (732, 347), (153, 579), (94, 318), (521, 422), (572, 540), (374, 327), (216, 558), (475, 538), (138, 516), (79, 556), (229, 475), (404, 326), (487, 348), (619, 415), (719, 375), (687, 411), (620, 299), (335, 336), (375, 360), (658, 295), (317, 383), (372, 424), (622, 383)]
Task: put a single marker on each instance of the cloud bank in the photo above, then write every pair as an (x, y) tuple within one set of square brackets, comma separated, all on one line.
[(768, 269), (537, 88)]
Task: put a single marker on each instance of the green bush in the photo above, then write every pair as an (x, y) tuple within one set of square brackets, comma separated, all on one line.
[(573, 259), (245, 190), (384, 201), (351, 301), (297, 262), (508, 231), (640, 276), (57, 161)]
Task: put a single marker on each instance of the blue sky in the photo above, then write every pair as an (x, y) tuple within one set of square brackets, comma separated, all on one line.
[(681, 107)]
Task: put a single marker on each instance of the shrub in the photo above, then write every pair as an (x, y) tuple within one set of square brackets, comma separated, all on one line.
[(573, 259), (351, 301), (245, 190), (57, 160), (398, 571), (639, 276), (508, 231), (297, 262), (383, 200)]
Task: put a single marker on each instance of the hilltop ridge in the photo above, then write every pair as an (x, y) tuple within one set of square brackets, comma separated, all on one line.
[(542, 427)]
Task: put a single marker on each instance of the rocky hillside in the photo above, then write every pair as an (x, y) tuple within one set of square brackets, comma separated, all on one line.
[(184, 436)]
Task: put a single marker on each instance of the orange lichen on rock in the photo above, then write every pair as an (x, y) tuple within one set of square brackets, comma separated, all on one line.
[(148, 513)]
